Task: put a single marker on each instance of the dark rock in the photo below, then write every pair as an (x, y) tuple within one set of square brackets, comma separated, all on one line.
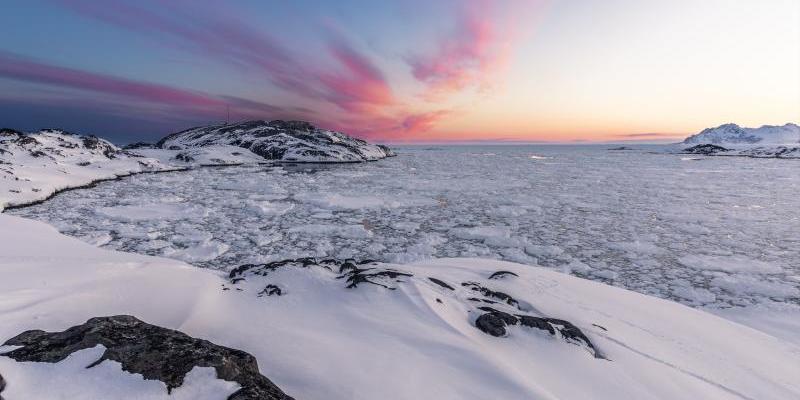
[(706, 149), (482, 300), (374, 276), (507, 318), (156, 353), (271, 290), (536, 322), (95, 143), (184, 157), (501, 274), (600, 326), (139, 145), (491, 293), (27, 141), (2, 385), (441, 283), (8, 132), (494, 322), (620, 148)]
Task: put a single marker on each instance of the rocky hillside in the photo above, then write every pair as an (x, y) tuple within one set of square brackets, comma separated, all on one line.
[(34, 165), (732, 134), (290, 141)]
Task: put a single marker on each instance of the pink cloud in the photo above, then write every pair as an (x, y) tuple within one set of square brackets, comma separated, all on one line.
[(361, 86), (359, 90), (227, 39), (468, 56)]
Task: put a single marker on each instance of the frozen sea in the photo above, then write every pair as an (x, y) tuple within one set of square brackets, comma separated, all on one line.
[(714, 232)]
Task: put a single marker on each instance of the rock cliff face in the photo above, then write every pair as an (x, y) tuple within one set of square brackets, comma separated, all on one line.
[(289, 141)]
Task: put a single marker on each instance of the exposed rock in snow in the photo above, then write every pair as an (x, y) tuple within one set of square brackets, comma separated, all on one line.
[(733, 134), (139, 145), (154, 352), (772, 152), (212, 155), (290, 141), (34, 166), (320, 339), (706, 149), (753, 152)]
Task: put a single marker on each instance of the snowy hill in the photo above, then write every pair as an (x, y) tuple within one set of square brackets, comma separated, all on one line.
[(732, 134), (293, 141), (324, 329), (768, 141), (35, 165)]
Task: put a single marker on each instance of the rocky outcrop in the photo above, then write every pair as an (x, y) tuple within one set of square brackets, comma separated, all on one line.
[(705, 149), (154, 352), (287, 141), (138, 146), (788, 152), (501, 274), (495, 322), (353, 272), (473, 296)]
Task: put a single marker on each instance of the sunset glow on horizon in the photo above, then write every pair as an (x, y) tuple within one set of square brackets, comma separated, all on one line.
[(403, 71)]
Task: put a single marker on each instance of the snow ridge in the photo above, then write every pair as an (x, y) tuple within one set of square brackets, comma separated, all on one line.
[(290, 141)]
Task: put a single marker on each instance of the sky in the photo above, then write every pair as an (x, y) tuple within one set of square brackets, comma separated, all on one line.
[(402, 71)]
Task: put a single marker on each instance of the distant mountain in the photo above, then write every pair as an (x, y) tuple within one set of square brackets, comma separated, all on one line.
[(732, 134), (292, 141)]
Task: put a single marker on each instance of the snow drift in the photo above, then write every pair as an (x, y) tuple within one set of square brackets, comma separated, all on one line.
[(408, 337)]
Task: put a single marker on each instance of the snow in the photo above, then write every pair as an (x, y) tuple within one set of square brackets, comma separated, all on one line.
[(284, 141), (646, 222), (37, 165), (734, 134), (767, 141), (320, 340), (34, 166), (70, 379), (209, 155)]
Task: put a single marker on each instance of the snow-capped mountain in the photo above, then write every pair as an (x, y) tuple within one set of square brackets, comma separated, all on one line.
[(732, 134), (292, 141), (35, 165)]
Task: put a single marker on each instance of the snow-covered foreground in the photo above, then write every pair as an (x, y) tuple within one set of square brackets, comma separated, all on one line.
[(707, 232), (321, 340)]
